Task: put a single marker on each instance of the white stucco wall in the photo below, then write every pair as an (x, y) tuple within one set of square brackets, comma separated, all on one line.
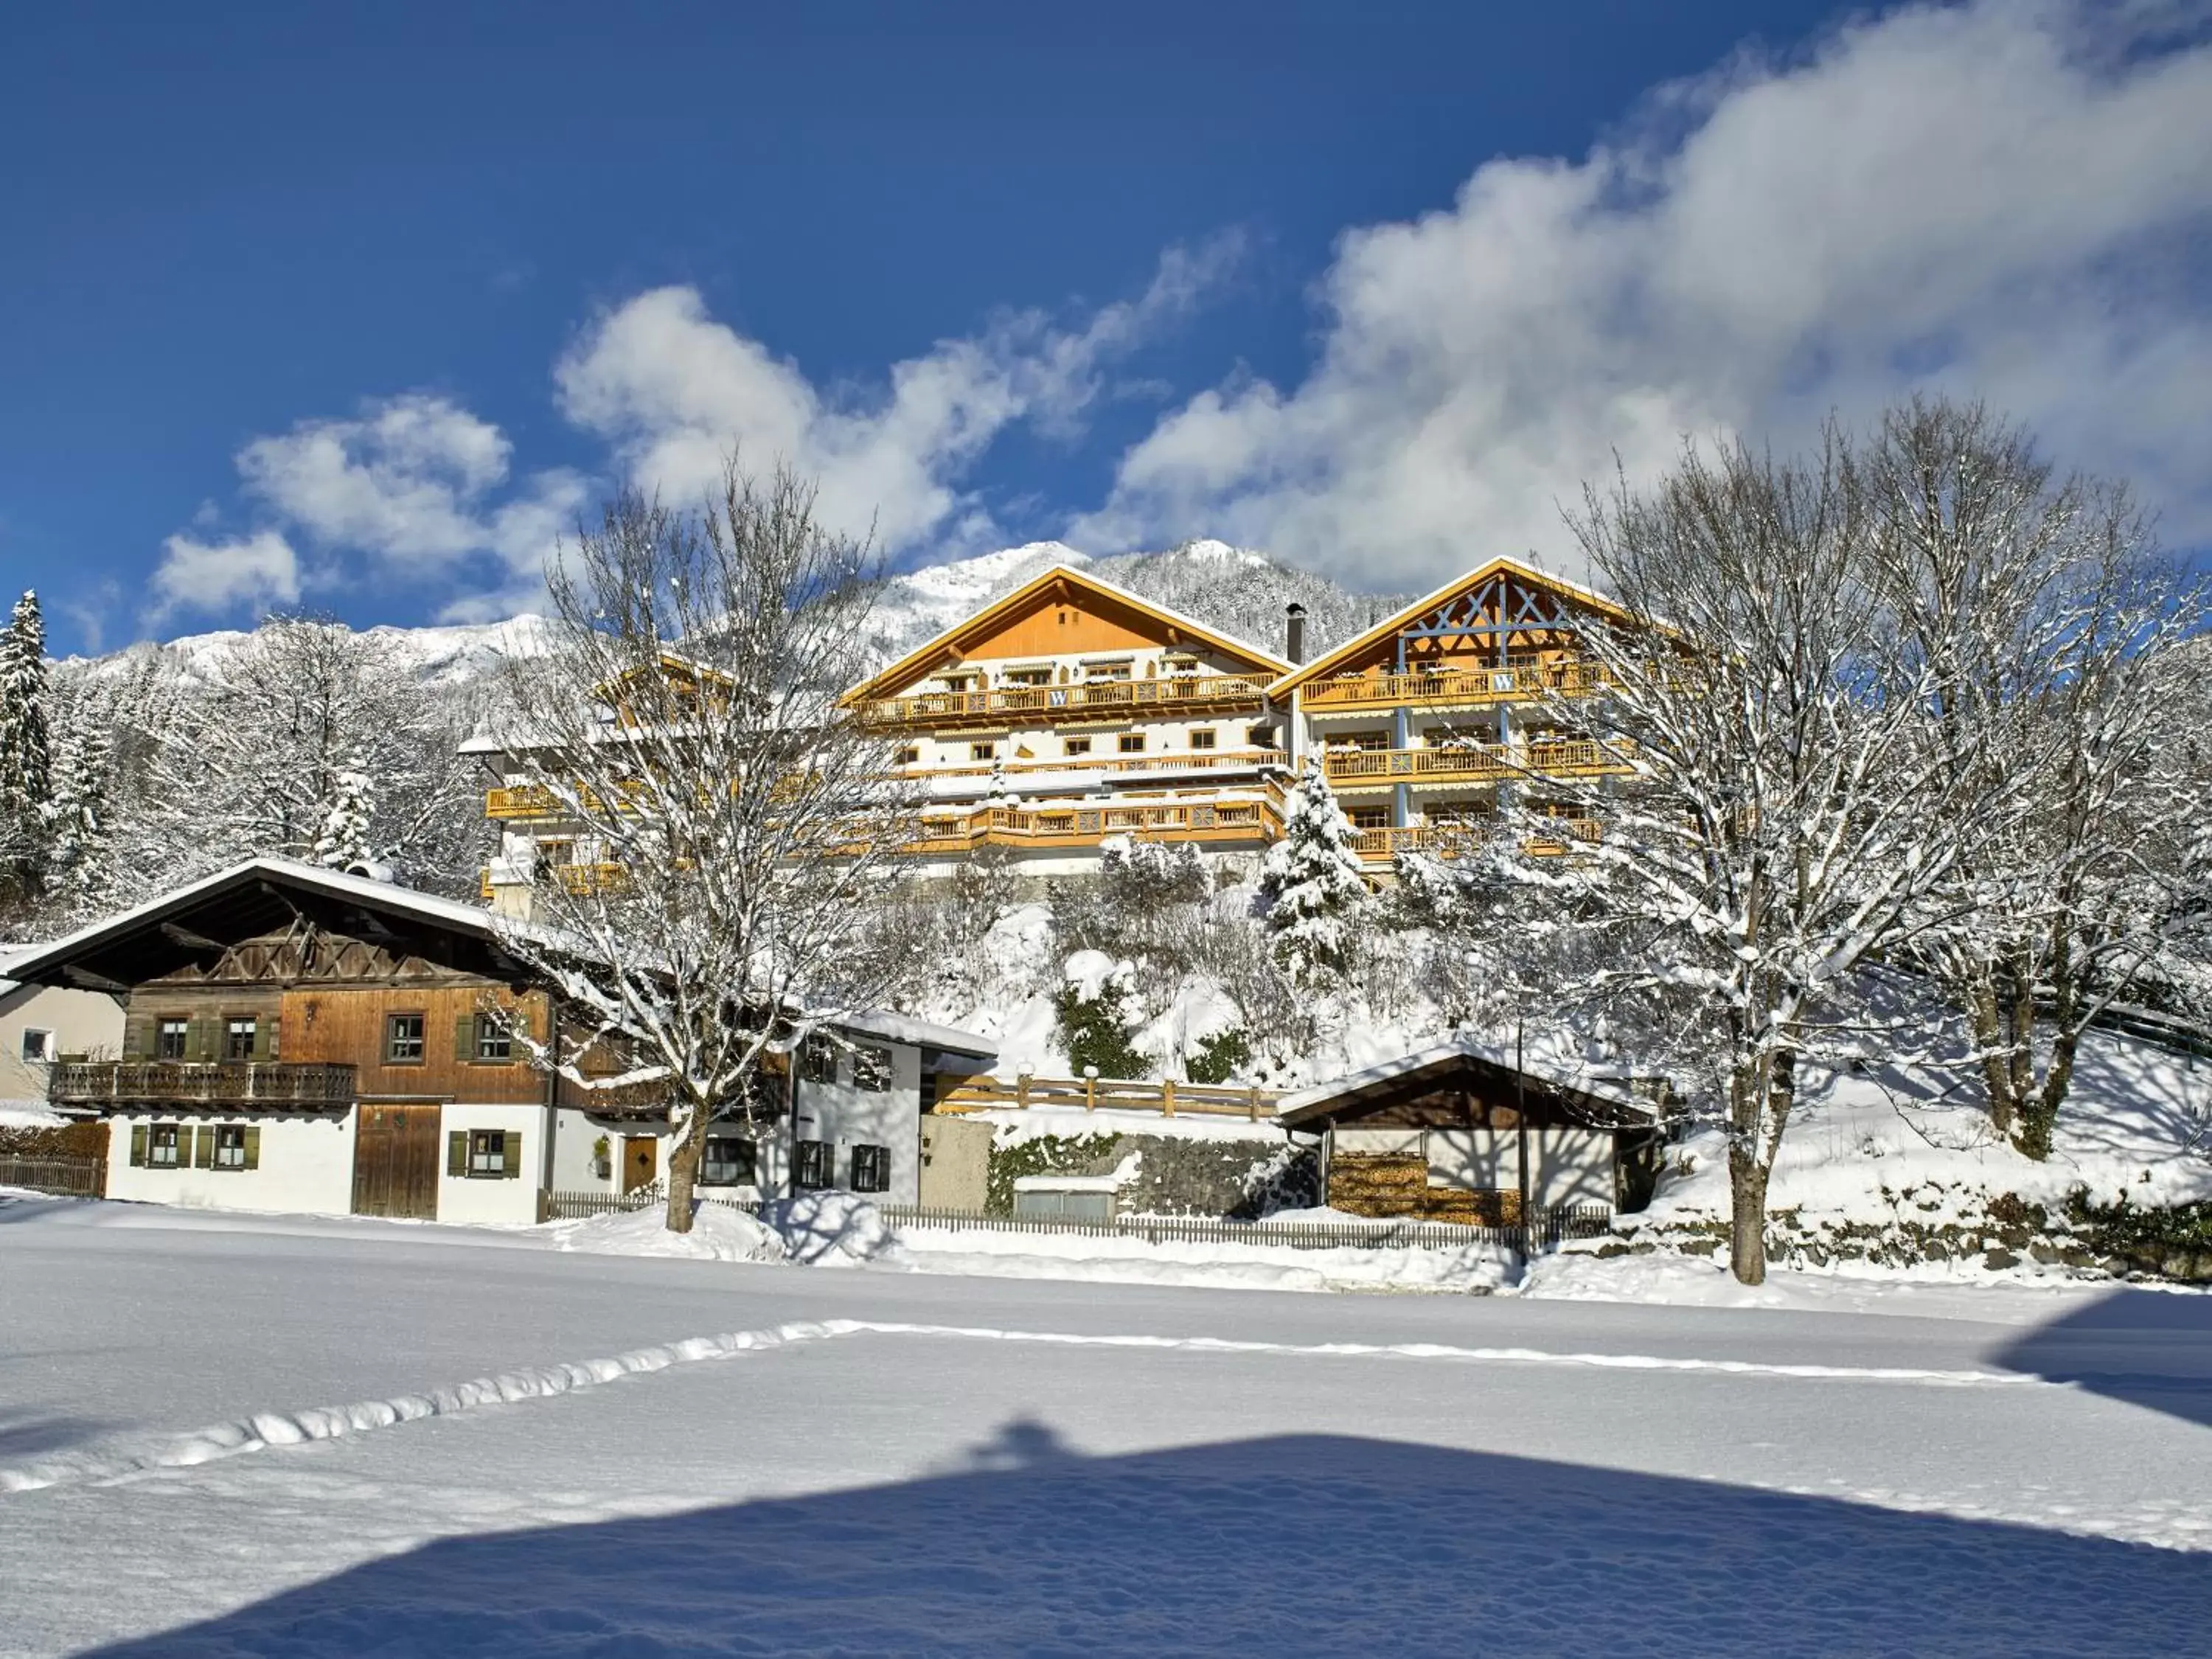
[(847, 1117), (306, 1167), (492, 1198), (81, 1022)]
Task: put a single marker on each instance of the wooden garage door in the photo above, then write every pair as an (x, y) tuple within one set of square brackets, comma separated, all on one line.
[(395, 1162)]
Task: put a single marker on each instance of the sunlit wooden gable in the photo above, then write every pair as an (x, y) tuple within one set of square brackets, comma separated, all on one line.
[(1067, 633), (1502, 630)]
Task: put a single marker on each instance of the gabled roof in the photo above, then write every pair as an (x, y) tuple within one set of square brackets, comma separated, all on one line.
[(1327, 1100), (887, 681), (1387, 627)]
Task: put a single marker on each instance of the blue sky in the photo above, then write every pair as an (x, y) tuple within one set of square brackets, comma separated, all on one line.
[(354, 307)]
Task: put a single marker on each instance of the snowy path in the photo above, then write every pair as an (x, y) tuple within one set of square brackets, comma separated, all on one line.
[(1549, 1477)]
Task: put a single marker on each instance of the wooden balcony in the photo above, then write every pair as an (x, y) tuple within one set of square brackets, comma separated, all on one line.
[(521, 801), (1377, 846), (577, 878), (1484, 688), (182, 1083), (1247, 822), (1472, 762), (1193, 760), (1104, 700)]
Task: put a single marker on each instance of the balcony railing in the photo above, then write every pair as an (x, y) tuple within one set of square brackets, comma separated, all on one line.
[(1102, 699), (1245, 821), (581, 879), (1191, 760), (223, 1082), (1475, 688), (1472, 763), (1377, 845)]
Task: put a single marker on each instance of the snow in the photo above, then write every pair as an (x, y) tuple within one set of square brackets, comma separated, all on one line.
[(718, 1233), (429, 1439)]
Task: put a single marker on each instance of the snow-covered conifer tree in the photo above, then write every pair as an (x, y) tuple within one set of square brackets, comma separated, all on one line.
[(343, 842), (26, 755), (81, 873), (1312, 887)]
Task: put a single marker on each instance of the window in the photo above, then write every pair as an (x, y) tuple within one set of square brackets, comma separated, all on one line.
[(1133, 743), (729, 1161), (1260, 737), (38, 1045), (1075, 745), (1028, 676), (487, 1152), (1369, 818), (817, 1059), (169, 1038), (1095, 671), (814, 1167), (872, 1169), (908, 755), (494, 1041), (1201, 739), (982, 751), (230, 1146), (872, 1069), (162, 1146), (238, 1032), (403, 1040)]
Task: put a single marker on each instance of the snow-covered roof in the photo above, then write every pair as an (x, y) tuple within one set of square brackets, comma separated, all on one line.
[(467, 918), (455, 913), (921, 1033), (1317, 1101)]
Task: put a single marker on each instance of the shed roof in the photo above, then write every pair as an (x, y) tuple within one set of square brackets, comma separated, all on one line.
[(1600, 1094)]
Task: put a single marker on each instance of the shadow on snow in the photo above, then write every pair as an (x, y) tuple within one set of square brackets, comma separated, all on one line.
[(2150, 1348), (1319, 1544)]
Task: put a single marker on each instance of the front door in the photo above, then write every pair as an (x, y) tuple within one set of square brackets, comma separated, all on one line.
[(395, 1162), (640, 1162)]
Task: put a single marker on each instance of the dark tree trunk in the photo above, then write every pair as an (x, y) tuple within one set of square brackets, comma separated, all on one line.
[(683, 1172)]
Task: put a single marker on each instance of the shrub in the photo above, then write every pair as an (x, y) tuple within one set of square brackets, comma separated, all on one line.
[(1220, 1056)]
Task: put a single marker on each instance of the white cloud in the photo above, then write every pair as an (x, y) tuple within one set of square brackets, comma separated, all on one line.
[(257, 574), (2005, 199), (674, 390), (414, 485)]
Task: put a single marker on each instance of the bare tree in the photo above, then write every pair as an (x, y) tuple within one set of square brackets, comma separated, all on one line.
[(2045, 610), (737, 814), (256, 762), (1787, 815)]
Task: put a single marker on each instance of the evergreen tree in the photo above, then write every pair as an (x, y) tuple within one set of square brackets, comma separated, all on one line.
[(82, 871), (343, 841), (26, 761), (1312, 886)]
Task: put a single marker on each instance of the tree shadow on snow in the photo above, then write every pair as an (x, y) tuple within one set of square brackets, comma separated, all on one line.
[(1297, 1544), (30, 1437), (2150, 1348)]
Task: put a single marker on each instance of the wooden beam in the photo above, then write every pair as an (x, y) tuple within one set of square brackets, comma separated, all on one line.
[(92, 981), (178, 934)]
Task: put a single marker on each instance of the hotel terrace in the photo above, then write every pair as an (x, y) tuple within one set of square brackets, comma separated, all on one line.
[(1071, 711)]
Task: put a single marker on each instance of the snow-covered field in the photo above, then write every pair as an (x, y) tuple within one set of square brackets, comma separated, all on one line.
[(232, 1435)]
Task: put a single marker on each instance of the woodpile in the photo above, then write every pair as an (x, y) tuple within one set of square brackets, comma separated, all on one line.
[(1393, 1184)]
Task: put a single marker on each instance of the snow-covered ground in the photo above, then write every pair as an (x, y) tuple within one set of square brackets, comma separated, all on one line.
[(255, 1435)]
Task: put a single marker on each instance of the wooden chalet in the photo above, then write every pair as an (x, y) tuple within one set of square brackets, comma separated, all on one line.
[(1438, 1135), (1421, 721), (296, 1039), (1071, 711)]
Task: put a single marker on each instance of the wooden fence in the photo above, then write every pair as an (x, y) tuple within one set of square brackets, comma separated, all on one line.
[(67, 1177), (1094, 1094), (1549, 1229)]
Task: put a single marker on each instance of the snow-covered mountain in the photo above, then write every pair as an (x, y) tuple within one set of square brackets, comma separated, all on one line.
[(1236, 590)]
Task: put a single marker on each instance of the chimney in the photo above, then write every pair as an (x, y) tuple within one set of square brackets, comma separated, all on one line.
[(1294, 632)]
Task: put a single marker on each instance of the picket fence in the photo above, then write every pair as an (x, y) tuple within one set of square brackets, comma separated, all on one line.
[(1550, 1229), (66, 1177)]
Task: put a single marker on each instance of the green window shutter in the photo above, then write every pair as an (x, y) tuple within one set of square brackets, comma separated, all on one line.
[(464, 1036), (457, 1152), (510, 1150), (200, 1033), (253, 1145), (263, 1029), (137, 1145), (203, 1146)]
